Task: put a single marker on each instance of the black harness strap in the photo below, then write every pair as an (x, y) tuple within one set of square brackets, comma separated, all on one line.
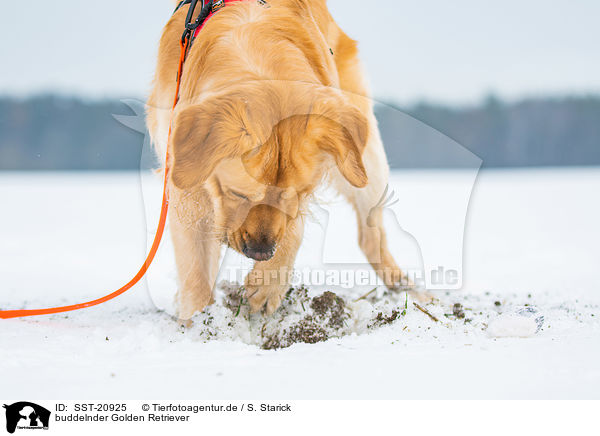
[(190, 26)]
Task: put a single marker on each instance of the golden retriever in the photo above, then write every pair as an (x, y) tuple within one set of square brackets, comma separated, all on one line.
[(273, 103)]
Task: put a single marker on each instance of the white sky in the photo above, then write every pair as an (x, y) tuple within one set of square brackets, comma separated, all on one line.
[(444, 51)]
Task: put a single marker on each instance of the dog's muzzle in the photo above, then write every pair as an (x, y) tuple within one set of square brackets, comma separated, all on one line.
[(259, 251)]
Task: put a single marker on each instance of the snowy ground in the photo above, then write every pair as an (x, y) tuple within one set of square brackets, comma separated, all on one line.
[(531, 240)]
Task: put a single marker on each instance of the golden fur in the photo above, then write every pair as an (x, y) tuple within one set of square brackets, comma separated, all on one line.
[(273, 102)]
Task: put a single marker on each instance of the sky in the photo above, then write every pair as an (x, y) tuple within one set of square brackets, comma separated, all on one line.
[(439, 51)]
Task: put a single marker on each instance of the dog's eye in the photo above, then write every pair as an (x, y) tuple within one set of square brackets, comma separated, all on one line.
[(238, 195)]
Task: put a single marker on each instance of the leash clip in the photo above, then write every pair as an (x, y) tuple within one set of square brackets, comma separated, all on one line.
[(186, 35), (190, 27)]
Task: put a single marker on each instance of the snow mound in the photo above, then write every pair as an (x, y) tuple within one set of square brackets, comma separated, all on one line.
[(305, 317), (524, 322)]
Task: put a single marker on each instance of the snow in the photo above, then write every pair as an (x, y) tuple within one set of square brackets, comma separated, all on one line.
[(531, 245), (523, 322)]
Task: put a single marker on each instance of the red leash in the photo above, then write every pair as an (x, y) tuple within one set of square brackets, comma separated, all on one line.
[(6, 314), (191, 31)]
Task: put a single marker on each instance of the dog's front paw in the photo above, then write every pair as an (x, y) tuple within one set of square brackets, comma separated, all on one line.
[(260, 296), (190, 301)]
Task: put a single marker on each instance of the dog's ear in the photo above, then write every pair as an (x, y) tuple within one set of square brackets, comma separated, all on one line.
[(203, 135), (222, 127), (192, 153), (350, 146), (343, 134)]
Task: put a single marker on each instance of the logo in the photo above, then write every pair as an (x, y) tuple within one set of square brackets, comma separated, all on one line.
[(25, 415)]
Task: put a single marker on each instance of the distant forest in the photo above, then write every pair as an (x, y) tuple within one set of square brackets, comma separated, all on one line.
[(58, 133)]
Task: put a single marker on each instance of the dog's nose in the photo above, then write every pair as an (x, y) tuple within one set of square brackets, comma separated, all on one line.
[(259, 251)]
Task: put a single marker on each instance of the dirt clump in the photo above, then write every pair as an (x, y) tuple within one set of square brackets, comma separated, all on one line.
[(330, 308), (458, 311), (305, 331), (322, 317), (380, 320)]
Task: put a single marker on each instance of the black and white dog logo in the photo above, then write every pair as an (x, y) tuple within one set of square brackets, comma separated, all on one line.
[(25, 415)]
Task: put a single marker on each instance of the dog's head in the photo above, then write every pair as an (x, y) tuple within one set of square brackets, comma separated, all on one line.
[(260, 151)]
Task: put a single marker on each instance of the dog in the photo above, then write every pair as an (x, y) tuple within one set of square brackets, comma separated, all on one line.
[(273, 103)]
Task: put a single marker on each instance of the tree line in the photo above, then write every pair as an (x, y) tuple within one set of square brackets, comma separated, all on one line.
[(60, 133)]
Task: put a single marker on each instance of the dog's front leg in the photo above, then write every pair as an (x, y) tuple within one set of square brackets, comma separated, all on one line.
[(197, 252), (269, 281)]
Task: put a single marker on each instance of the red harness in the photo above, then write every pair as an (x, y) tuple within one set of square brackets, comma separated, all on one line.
[(192, 29), (216, 6)]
